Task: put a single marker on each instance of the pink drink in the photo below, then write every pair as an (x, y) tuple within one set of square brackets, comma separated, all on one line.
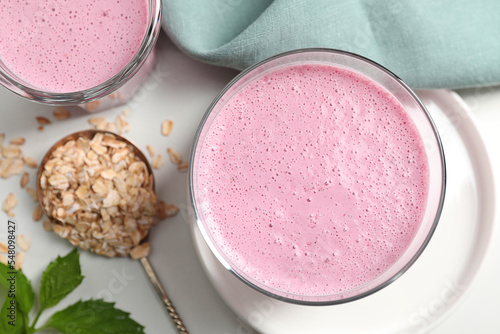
[(68, 45), (312, 180)]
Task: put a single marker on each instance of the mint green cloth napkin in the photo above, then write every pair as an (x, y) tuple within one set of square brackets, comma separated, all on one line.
[(428, 43)]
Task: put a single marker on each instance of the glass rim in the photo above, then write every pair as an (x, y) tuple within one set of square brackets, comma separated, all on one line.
[(320, 302), (87, 95)]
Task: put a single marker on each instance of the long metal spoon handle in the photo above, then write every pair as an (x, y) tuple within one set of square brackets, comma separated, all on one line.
[(163, 296)]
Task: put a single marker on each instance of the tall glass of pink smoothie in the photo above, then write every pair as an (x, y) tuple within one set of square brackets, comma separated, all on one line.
[(317, 177), (64, 52)]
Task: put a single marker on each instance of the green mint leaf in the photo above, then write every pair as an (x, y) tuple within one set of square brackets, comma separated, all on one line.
[(4, 274), (60, 278), (11, 317), (18, 286), (94, 317), (24, 293)]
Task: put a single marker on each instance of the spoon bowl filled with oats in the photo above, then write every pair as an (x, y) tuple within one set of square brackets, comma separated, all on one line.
[(97, 189)]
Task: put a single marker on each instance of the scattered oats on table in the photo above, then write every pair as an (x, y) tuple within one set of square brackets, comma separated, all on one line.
[(12, 162), (183, 167), (19, 260), (158, 161), (121, 124), (151, 150), (175, 157), (18, 141), (100, 194), (61, 113), (29, 161), (92, 106), (171, 210), (9, 204), (24, 242), (10, 167), (166, 127), (100, 123), (37, 213), (43, 120), (166, 210), (24, 179), (96, 121), (11, 151)]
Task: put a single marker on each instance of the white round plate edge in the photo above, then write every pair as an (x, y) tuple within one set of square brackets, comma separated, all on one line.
[(484, 170)]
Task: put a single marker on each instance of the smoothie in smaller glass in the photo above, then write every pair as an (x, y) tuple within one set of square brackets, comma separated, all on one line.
[(74, 49), (311, 181)]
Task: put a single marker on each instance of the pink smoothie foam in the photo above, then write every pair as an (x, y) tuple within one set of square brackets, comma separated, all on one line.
[(69, 45), (312, 180)]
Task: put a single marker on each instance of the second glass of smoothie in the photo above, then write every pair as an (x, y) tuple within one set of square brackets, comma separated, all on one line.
[(77, 52)]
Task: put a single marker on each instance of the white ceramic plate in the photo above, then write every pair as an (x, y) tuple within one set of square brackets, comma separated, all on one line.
[(433, 286)]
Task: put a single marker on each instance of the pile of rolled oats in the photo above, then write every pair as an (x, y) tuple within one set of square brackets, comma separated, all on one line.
[(101, 196)]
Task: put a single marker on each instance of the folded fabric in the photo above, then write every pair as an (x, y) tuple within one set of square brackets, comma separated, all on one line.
[(428, 43)]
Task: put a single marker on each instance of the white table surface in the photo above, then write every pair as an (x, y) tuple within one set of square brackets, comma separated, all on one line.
[(181, 89)]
